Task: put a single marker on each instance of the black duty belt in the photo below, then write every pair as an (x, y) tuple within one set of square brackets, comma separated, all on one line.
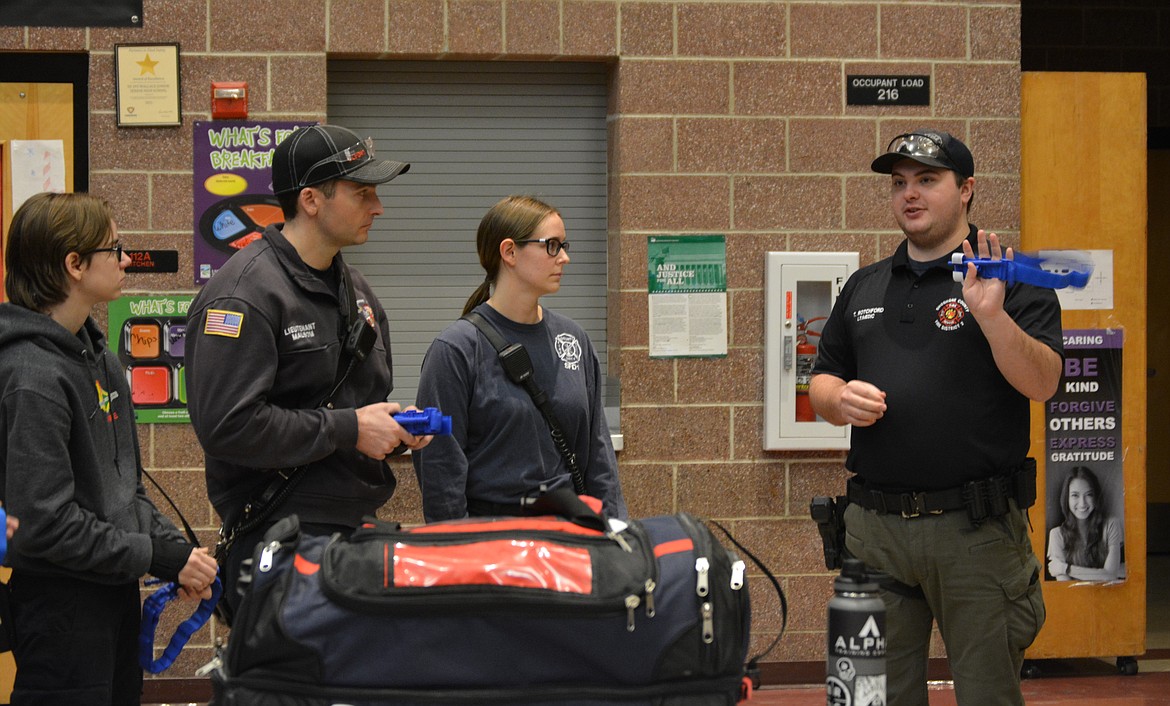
[(981, 498), (486, 508)]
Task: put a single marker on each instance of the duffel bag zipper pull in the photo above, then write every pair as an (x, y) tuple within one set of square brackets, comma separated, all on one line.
[(702, 566), (708, 623), (620, 540), (266, 555), (737, 569), (632, 603), (650, 586)]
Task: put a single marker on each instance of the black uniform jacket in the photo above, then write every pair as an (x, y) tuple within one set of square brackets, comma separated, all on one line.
[(263, 341)]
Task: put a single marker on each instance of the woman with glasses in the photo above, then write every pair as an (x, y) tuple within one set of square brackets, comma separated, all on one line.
[(70, 467), (501, 449)]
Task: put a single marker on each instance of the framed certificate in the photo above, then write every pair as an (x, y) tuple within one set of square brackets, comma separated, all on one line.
[(146, 79)]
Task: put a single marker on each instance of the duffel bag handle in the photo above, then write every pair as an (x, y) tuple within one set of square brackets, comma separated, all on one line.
[(562, 501)]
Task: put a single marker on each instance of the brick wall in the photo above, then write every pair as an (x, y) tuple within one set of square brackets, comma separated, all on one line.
[(725, 117)]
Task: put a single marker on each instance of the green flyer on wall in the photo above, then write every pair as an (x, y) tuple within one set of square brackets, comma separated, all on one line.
[(687, 278), (149, 336)]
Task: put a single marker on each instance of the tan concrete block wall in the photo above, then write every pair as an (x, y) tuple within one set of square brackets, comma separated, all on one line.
[(725, 117)]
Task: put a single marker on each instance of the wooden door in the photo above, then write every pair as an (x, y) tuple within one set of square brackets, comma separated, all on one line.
[(32, 111), (1083, 186)]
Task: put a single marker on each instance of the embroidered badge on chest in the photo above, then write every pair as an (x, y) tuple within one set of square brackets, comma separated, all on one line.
[(950, 313), (568, 349)]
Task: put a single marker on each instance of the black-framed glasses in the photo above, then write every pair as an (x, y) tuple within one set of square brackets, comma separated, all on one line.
[(363, 150), (116, 248), (552, 246), (915, 144)]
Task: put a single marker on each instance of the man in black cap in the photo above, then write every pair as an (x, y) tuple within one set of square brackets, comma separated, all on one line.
[(936, 377), (288, 358)]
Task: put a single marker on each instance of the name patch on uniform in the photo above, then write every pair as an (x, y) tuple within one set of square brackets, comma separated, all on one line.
[(298, 331), (220, 322)]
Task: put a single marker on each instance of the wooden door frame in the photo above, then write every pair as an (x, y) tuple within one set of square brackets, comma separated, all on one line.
[(42, 67)]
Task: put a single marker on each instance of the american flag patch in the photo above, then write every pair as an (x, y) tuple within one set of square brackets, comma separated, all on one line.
[(223, 323)]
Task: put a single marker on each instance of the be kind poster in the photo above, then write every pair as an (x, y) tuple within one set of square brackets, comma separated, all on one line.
[(1085, 483)]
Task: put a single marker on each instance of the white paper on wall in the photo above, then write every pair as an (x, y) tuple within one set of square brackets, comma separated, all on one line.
[(37, 165)]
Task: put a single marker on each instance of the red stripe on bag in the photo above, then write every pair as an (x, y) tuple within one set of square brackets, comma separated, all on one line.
[(674, 547), (527, 524), (304, 566), (498, 562)]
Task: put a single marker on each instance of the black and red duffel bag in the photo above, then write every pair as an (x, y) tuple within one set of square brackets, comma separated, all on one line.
[(515, 610)]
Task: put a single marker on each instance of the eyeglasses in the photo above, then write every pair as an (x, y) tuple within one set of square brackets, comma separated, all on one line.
[(363, 150), (552, 246), (915, 144), (116, 248)]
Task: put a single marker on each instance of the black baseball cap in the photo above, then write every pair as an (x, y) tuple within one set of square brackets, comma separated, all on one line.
[(317, 153), (933, 147)]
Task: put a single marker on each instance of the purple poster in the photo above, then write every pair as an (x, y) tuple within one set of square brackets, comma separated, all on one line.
[(233, 187), (1084, 467)]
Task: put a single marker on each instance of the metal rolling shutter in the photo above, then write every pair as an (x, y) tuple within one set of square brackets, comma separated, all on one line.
[(473, 133)]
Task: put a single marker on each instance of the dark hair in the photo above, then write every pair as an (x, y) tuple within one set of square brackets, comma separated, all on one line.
[(1089, 550), (45, 229), (288, 200), (515, 217)]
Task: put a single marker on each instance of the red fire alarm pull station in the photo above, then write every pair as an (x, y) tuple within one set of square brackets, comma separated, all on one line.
[(229, 99)]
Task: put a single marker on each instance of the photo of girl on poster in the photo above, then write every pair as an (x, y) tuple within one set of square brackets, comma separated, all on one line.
[(1087, 543)]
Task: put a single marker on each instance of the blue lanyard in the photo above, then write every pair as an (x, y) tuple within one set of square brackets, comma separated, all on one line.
[(152, 608), (1027, 269), (3, 535)]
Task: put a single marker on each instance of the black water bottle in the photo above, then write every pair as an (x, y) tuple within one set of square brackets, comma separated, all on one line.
[(856, 664)]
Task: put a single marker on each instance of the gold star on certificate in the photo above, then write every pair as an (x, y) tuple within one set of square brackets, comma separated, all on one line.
[(147, 66)]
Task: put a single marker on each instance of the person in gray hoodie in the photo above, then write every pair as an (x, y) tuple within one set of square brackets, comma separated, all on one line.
[(70, 467)]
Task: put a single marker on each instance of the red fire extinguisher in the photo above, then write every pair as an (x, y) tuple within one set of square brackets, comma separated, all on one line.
[(806, 355)]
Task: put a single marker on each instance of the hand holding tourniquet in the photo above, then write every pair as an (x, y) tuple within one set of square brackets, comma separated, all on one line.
[(1070, 271), (424, 422)]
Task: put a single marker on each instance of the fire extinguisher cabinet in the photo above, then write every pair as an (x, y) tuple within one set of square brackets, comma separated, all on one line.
[(800, 288)]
